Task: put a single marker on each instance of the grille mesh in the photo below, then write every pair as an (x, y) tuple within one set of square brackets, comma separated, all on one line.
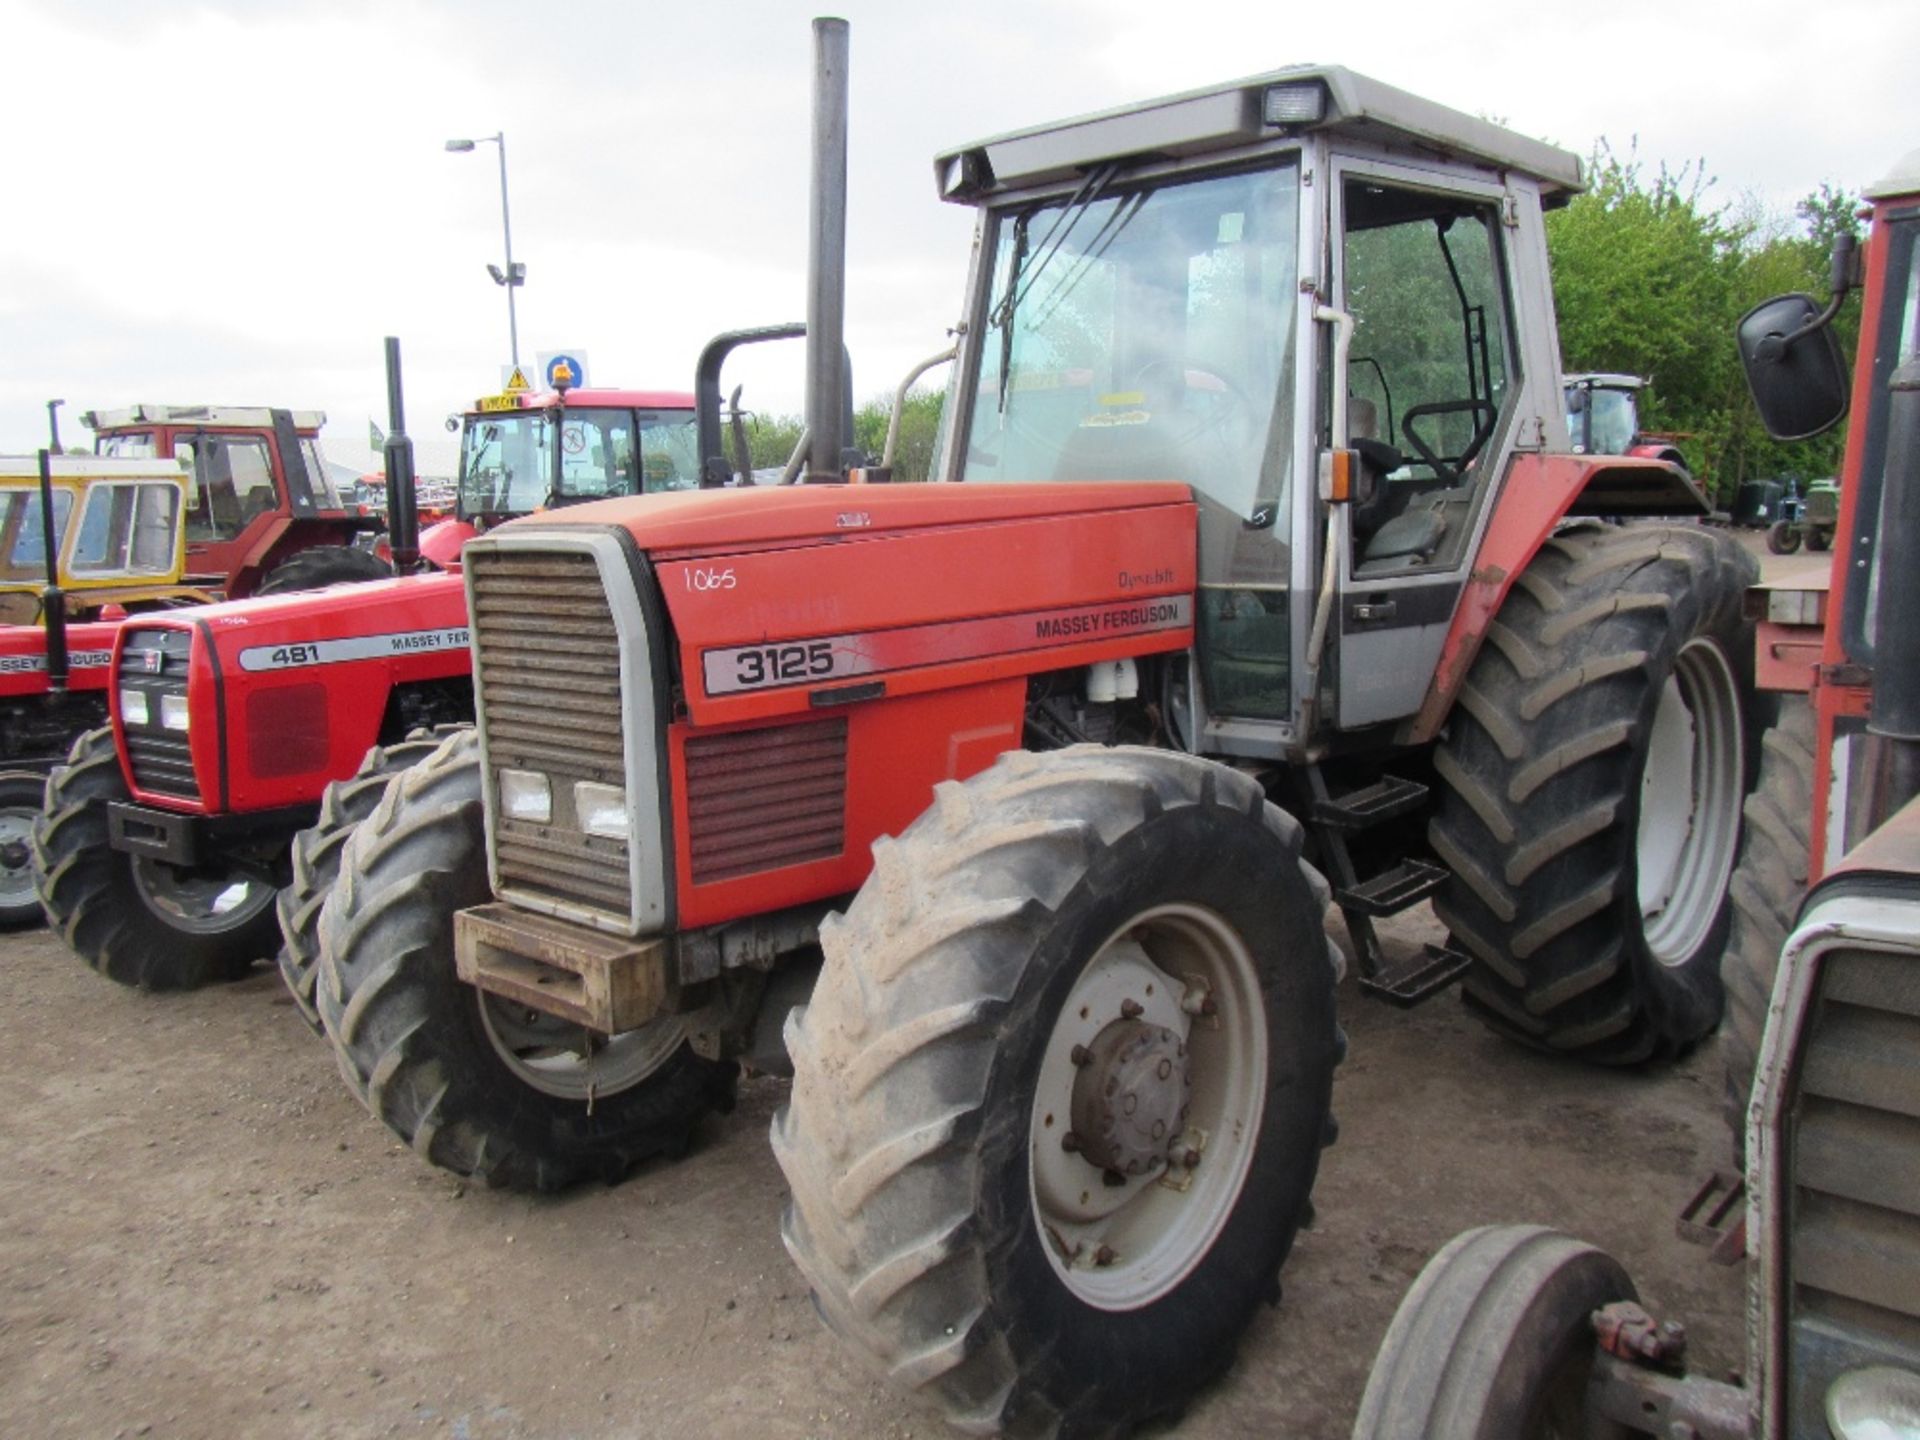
[(1855, 1242), (549, 671), (161, 759), (760, 799)]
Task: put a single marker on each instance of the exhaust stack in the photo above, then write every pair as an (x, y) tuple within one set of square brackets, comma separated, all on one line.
[(403, 514), (827, 255)]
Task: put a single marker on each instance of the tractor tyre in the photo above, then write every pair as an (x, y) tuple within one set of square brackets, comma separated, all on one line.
[(1494, 1341), (1590, 791), (1819, 540), (22, 794), (139, 921), (1769, 882), (1783, 537), (1061, 1089), (321, 565), (474, 1084), (316, 861)]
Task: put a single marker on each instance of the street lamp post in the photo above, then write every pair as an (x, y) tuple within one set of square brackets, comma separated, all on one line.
[(514, 275)]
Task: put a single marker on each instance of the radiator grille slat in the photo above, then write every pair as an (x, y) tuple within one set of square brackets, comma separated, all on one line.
[(549, 665), (1854, 1149), (762, 799)]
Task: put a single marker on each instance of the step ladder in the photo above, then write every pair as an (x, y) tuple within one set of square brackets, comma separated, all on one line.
[(1362, 900)]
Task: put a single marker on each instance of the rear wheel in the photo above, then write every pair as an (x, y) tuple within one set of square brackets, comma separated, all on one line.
[(316, 861), (1769, 883), (1494, 1341), (1060, 1092), (1820, 539), (137, 920), (1783, 537), (1592, 779), (22, 793), (473, 1083), (322, 565)]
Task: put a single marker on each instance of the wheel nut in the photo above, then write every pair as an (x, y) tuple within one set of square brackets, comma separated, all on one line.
[(1104, 1256), (1190, 1159), (1080, 1055), (1070, 1143), (1130, 1010), (1165, 1069)]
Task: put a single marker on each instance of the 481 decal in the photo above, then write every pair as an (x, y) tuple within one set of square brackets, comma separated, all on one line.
[(360, 647)]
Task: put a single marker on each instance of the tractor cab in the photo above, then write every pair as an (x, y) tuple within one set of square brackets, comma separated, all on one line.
[(261, 491), (535, 450), (127, 546), (1321, 302), (1603, 412)]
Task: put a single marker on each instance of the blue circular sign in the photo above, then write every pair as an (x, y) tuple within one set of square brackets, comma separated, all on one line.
[(576, 372)]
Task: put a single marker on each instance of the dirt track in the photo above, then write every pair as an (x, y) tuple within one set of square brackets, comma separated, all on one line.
[(201, 1233)]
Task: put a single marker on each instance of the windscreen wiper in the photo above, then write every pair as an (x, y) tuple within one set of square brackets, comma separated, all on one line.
[(1003, 311)]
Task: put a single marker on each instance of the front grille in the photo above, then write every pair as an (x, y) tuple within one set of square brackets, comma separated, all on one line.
[(161, 759), (1854, 1256), (549, 692), (760, 799)]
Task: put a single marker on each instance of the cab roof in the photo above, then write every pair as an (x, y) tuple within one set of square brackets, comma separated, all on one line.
[(612, 399), (20, 469), (1903, 179), (1234, 115), (239, 417)]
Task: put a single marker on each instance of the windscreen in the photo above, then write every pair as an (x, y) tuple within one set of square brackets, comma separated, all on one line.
[(1144, 332), (519, 462), (20, 517)]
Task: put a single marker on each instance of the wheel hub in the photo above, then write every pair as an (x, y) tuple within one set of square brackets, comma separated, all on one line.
[(1130, 1097)]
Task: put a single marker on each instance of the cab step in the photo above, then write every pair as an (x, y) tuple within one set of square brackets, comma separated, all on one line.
[(1716, 1218), (1386, 799), (1417, 978), (1391, 891)]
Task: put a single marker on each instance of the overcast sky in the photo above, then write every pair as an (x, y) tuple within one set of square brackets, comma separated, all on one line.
[(233, 202)]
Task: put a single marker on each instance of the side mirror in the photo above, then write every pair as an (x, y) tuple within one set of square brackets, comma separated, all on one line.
[(1577, 401), (1794, 367)]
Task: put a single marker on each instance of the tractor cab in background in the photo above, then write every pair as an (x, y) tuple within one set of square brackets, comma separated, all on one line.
[(523, 452), (263, 514)]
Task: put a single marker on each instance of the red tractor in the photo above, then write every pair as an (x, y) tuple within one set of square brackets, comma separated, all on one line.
[(165, 839), (995, 810), (1603, 418), (1518, 1330), (264, 516)]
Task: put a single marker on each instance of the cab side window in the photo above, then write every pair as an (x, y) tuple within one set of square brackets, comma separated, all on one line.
[(233, 483)]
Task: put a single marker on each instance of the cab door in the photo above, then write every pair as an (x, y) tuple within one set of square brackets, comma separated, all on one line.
[(1422, 262)]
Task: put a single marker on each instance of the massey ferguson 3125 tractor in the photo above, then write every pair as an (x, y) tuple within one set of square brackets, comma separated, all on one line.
[(168, 835), (995, 809), (1518, 1331)]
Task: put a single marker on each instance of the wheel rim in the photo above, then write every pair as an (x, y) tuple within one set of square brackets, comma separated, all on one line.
[(201, 904), (16, 858), (1689, 804), (570, 1062), (1176, 984)]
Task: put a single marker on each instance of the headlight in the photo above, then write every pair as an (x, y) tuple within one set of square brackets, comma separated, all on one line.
[(133, 706), (173, 712), (526, 796), (1877, 1402), (602, 809)]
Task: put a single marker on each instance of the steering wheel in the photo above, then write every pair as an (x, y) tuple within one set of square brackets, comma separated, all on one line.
[(1236, 397), (1449, 470)]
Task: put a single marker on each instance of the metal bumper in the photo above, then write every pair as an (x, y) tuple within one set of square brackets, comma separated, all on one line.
[(607, 983), (192, 839)]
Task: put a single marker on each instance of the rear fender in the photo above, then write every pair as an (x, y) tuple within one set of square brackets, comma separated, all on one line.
[(1540, 492)]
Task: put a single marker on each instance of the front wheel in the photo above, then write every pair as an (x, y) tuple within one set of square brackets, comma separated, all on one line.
[(1783, 537), (1060, 1092), (474, 1083), (1494, 1341), (138, 920), (316, 863), (22, 793), (1820, 540)]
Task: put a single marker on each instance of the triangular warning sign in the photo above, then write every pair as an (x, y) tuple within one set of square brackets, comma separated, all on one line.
[(517, 382)]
